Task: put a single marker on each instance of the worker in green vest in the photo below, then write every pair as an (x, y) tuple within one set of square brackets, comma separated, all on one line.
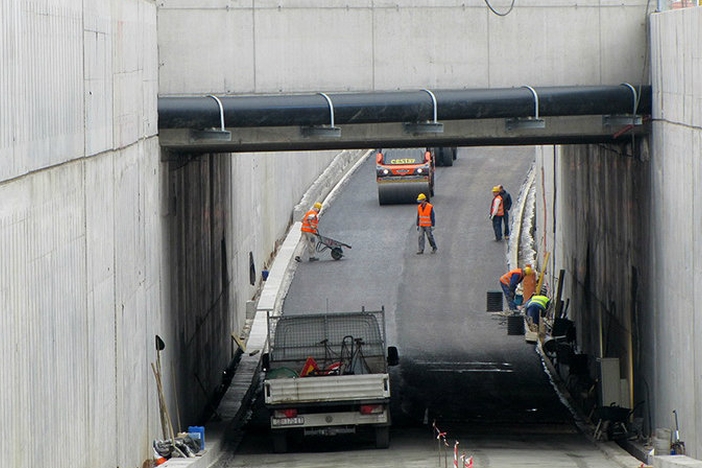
[(536, 307)]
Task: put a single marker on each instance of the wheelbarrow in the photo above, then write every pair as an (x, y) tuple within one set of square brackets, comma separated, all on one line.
[(336, 247), (613, 421)]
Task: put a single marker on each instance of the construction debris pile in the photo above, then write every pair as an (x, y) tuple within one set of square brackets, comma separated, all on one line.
[(183, 446)]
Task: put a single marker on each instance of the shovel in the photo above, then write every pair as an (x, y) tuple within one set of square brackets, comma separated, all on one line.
[(678, 446)]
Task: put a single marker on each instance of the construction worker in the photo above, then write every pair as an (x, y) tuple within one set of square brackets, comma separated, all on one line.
[(309, 231), (425, 223), (497, 211), (506, 206), (509, 282), (535, 307)]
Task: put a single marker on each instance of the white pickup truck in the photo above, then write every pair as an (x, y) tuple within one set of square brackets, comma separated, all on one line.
[(327, 374)]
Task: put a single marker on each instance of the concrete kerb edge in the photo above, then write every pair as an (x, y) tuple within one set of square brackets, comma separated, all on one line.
[(281, 272), (517, 240)]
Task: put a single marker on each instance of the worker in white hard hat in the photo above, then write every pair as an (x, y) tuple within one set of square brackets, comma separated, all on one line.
[(425, 223), (309, 230), (509, 282)]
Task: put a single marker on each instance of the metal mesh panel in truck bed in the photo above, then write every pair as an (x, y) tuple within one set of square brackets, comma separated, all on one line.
[(298, 336)]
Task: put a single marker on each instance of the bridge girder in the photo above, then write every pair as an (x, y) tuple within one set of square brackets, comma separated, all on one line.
[(514, 116), (486, 132)]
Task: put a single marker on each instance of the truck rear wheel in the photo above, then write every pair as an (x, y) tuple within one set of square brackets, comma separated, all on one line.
[(382, 437), (280, 441)]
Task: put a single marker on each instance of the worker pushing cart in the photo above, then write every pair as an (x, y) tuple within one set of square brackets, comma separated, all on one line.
[(314, 241)]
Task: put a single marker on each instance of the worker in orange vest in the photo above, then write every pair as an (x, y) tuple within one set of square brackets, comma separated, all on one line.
[(497, 212), (425, 223), (509, 282), (309, 231)]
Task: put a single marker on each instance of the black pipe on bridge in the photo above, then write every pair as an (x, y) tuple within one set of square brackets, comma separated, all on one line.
[(199, 112)]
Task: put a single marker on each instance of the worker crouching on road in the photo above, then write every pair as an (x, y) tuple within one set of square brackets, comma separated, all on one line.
[(536, 307), (309, 230), (425, 223), (509, 282)]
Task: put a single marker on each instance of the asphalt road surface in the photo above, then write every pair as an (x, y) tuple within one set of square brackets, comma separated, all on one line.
[(459, 369)]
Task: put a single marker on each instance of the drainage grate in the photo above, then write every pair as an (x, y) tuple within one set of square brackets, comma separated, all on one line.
[(515, 325), (494, 301)]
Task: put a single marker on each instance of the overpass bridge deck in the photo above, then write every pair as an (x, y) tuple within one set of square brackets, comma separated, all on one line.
[(510, 116)]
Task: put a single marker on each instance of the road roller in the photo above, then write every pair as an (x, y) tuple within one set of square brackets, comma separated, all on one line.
[(404, 173)]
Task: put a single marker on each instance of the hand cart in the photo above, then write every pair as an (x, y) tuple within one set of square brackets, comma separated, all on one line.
[(324, 243), (612, 422)]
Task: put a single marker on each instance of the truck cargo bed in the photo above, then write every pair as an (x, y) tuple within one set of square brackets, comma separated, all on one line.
[(351, 388)]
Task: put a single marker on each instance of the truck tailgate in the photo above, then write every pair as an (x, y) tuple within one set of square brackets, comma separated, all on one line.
[(327, 389)]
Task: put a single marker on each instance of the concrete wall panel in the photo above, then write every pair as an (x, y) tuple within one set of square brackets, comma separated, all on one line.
[(42, 79), (133, 274), (98, 85), (340, 46), (100, 305), (531, 40), (675, 39), (322, 48), (623, 46), (676, 257), (430, 47), (222, 62), (134, 55), (44, 247)]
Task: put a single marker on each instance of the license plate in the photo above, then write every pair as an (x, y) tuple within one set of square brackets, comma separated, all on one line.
[(289, 421)]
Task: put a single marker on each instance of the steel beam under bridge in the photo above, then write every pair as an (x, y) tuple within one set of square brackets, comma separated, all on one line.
[(510, 116)]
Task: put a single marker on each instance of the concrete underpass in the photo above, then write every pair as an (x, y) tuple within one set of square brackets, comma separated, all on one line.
[(116, 231)]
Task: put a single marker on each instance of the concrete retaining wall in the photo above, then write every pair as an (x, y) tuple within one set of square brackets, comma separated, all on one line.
[(80, 226), (622, 222), (676, 223)]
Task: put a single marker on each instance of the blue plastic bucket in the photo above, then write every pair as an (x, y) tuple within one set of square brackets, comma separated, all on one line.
[(198, 433)]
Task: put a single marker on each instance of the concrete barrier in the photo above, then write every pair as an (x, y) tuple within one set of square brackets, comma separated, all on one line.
[(675, 461)]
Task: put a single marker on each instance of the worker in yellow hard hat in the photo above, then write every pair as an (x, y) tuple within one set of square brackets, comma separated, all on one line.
[(497, 212), (509, 282), (425, 223), (310, 222)]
